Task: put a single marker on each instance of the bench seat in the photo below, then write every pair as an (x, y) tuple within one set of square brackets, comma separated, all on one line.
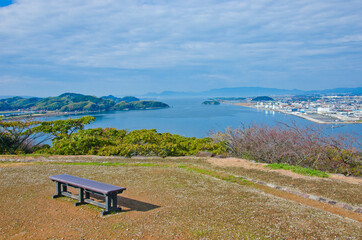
[(85, 187), (87, 184)]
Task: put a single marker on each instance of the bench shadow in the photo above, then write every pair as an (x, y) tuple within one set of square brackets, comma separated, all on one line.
[(135, 205), (129, 204)]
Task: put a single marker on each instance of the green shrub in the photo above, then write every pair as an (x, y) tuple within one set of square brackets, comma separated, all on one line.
[(298, 169), (110, 141)]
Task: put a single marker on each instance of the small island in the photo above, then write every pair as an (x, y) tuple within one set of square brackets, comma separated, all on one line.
[(211, 102), (74, 103)]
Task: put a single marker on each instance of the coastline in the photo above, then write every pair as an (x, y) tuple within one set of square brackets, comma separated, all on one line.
[(297, 114), (37, 115)]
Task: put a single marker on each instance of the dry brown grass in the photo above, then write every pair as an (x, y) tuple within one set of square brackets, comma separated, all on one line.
[(329, 188), (159, 203)]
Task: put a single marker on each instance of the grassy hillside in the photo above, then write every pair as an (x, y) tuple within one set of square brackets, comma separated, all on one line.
[(183, 198)]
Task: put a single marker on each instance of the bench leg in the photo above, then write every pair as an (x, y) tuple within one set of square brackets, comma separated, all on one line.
[(64, 188), (111, 204), (59, 191), (80, 197), (87, 195), (114, 203)]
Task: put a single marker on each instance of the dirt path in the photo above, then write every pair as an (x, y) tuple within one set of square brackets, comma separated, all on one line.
[(12, 164), (312, 203), (238, 162)]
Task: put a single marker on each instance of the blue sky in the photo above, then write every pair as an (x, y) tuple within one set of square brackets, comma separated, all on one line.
[(124, 47)]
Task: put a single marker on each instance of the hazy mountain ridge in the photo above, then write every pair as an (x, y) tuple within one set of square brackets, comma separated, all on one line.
[(254, 91)]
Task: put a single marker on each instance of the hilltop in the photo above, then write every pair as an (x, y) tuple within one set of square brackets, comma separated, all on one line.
[(181, 198)]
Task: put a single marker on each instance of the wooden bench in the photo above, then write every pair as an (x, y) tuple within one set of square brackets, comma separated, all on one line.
[(85, 188)]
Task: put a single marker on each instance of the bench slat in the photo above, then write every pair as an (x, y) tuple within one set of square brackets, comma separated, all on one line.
[(87, 184)]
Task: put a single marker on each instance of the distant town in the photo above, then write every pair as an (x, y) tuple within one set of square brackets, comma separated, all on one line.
[(316, 108)]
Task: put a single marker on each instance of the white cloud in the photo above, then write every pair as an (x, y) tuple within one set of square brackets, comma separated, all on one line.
[(136, 34)]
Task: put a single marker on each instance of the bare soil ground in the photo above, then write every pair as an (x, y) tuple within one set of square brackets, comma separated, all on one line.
[(162, 203)]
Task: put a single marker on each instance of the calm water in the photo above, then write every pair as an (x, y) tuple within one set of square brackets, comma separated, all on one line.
[(190, 118)]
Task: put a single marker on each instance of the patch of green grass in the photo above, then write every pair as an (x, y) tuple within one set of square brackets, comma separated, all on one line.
[(107, 164), (298, 169), (201, 170), (182, 166), (200, 233), (85, 163), (33, 155), (215, 174), (230, 178), (148, 164)]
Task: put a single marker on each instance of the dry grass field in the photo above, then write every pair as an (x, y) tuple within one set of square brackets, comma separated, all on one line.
[(165, 200)]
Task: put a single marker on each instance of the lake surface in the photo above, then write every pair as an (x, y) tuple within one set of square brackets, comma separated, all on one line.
[(188, 117)]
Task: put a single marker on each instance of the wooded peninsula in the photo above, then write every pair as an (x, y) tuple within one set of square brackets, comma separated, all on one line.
[(73, 102)]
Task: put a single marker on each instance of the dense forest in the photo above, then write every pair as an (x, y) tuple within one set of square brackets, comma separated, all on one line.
[(72, 102)]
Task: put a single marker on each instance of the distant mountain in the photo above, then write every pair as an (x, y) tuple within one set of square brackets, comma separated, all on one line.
[(11, 96), (249, 91), (2, 97), (15, 103), (253, 91), (72, 102), (172, 94), (351, 91)]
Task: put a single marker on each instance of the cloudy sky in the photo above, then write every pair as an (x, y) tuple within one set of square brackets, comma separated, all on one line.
[(123, 47)]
